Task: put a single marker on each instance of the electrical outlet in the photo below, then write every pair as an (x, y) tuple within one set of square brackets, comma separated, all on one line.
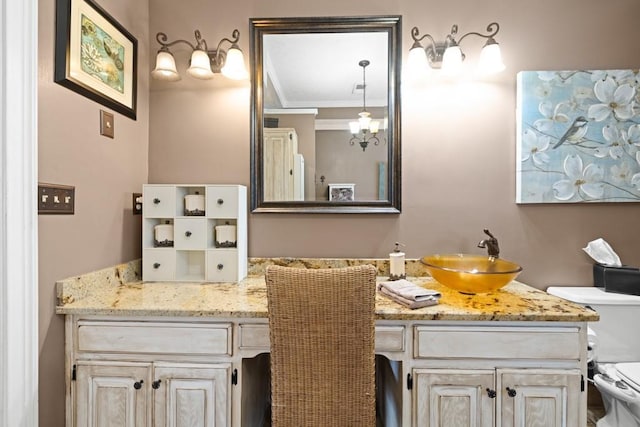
[(56, 199), (137, 203)]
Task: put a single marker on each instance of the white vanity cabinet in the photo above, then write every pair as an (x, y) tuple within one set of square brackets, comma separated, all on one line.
[(210, 371), (193, 254), (501, 397), (144, 373), (504, 376), (120, 394)]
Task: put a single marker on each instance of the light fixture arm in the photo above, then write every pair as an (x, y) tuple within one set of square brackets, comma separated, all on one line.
[(415, 33), (492, 30), (364, 64), (233, 41), (162, 38)]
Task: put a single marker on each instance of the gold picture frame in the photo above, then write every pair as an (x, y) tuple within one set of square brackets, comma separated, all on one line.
[(96, 56)]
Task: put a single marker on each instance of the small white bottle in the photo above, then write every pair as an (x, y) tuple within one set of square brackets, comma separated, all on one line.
[(396, 264)]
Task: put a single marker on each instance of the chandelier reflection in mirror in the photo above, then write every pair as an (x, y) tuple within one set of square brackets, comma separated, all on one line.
[(364, 130), (205, 62), (448, 55)]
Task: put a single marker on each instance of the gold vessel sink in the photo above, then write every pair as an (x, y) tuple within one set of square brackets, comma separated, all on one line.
[(471, 274)]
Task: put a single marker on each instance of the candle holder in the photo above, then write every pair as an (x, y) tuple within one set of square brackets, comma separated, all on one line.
[(393, 277)]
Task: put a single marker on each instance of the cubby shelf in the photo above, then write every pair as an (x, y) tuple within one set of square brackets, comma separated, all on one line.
[(193, 255)]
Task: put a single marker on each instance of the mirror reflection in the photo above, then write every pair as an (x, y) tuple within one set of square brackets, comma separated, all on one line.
[(325, 115)]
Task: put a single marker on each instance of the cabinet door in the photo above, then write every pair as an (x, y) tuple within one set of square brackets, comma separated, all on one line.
[(454, 398), (110, 394), (535, 397), (190, 395)]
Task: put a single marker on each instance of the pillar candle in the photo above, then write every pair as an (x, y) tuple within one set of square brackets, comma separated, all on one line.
[(396, 263)]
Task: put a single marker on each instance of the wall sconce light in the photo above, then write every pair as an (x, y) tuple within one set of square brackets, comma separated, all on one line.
[(204, 62), (448, 55)]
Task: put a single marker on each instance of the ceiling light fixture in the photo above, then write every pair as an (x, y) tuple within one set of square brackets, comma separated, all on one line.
[(204, 63), (448, 55), (361, 129)]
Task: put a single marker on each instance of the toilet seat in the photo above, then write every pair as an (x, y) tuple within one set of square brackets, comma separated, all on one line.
[(630, 373), (610, 380)]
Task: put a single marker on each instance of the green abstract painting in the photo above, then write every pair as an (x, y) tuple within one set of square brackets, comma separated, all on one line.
[(101, 56)]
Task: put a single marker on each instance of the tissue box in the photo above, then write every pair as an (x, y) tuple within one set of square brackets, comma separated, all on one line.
[(621, 280)]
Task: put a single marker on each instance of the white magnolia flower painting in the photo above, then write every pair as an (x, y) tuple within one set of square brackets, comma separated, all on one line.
[(578, 137)]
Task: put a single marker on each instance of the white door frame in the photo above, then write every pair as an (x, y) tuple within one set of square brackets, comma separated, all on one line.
[(18, 221)]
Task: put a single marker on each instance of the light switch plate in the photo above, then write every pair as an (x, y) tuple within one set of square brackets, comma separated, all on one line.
[(56, 199), (137, 204), (106, 124)]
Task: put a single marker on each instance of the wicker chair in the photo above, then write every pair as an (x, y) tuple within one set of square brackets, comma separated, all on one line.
[(322, 331)]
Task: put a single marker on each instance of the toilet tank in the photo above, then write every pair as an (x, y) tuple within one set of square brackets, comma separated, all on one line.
[(618, 331)]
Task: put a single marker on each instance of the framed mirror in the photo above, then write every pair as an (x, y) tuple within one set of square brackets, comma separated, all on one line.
[(325, 114)]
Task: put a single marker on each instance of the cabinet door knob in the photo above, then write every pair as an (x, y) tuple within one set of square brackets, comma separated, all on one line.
[(220, 266), (491, 393), (156, 384), (187, 233), (156, 265), (156, 201), (511, 392), (138, 384), (220, 201)]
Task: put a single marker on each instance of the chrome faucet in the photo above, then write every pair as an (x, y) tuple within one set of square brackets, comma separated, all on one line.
[(491, 244)]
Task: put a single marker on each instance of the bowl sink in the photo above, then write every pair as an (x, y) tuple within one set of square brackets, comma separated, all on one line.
[(471, 274)]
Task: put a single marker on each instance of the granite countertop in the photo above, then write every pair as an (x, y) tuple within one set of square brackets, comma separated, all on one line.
[(119, 291)]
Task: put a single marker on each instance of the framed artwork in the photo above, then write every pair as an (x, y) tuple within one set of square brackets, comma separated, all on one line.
[(342, 192), (578, 136), (96, 56)]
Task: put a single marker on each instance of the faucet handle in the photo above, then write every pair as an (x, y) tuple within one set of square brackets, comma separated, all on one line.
[(491, 244)]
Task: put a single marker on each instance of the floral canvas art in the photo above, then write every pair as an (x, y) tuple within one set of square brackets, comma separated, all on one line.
[(578, 136)]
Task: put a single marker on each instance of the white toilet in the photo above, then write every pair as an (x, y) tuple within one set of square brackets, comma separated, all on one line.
[(616, 352)]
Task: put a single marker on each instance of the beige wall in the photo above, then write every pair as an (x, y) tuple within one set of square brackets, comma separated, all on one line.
[(105, 172), (458, 142), (458, 149)]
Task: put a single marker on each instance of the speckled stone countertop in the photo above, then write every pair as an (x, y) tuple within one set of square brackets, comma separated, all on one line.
[(120, 291)]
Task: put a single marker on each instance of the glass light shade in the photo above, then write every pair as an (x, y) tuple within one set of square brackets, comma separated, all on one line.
[(491, 58), (364, 120), (165, 67), (452, 61), (374, 126), (234, 65), (200, 67), (354, 127), (417, 61)]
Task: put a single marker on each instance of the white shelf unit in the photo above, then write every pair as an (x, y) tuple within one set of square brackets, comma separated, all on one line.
[(194, 256)]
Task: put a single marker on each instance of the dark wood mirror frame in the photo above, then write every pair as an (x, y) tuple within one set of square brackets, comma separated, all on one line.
[(263, 26)]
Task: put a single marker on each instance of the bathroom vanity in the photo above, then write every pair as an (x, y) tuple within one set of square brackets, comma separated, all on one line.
[(142, 354)]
